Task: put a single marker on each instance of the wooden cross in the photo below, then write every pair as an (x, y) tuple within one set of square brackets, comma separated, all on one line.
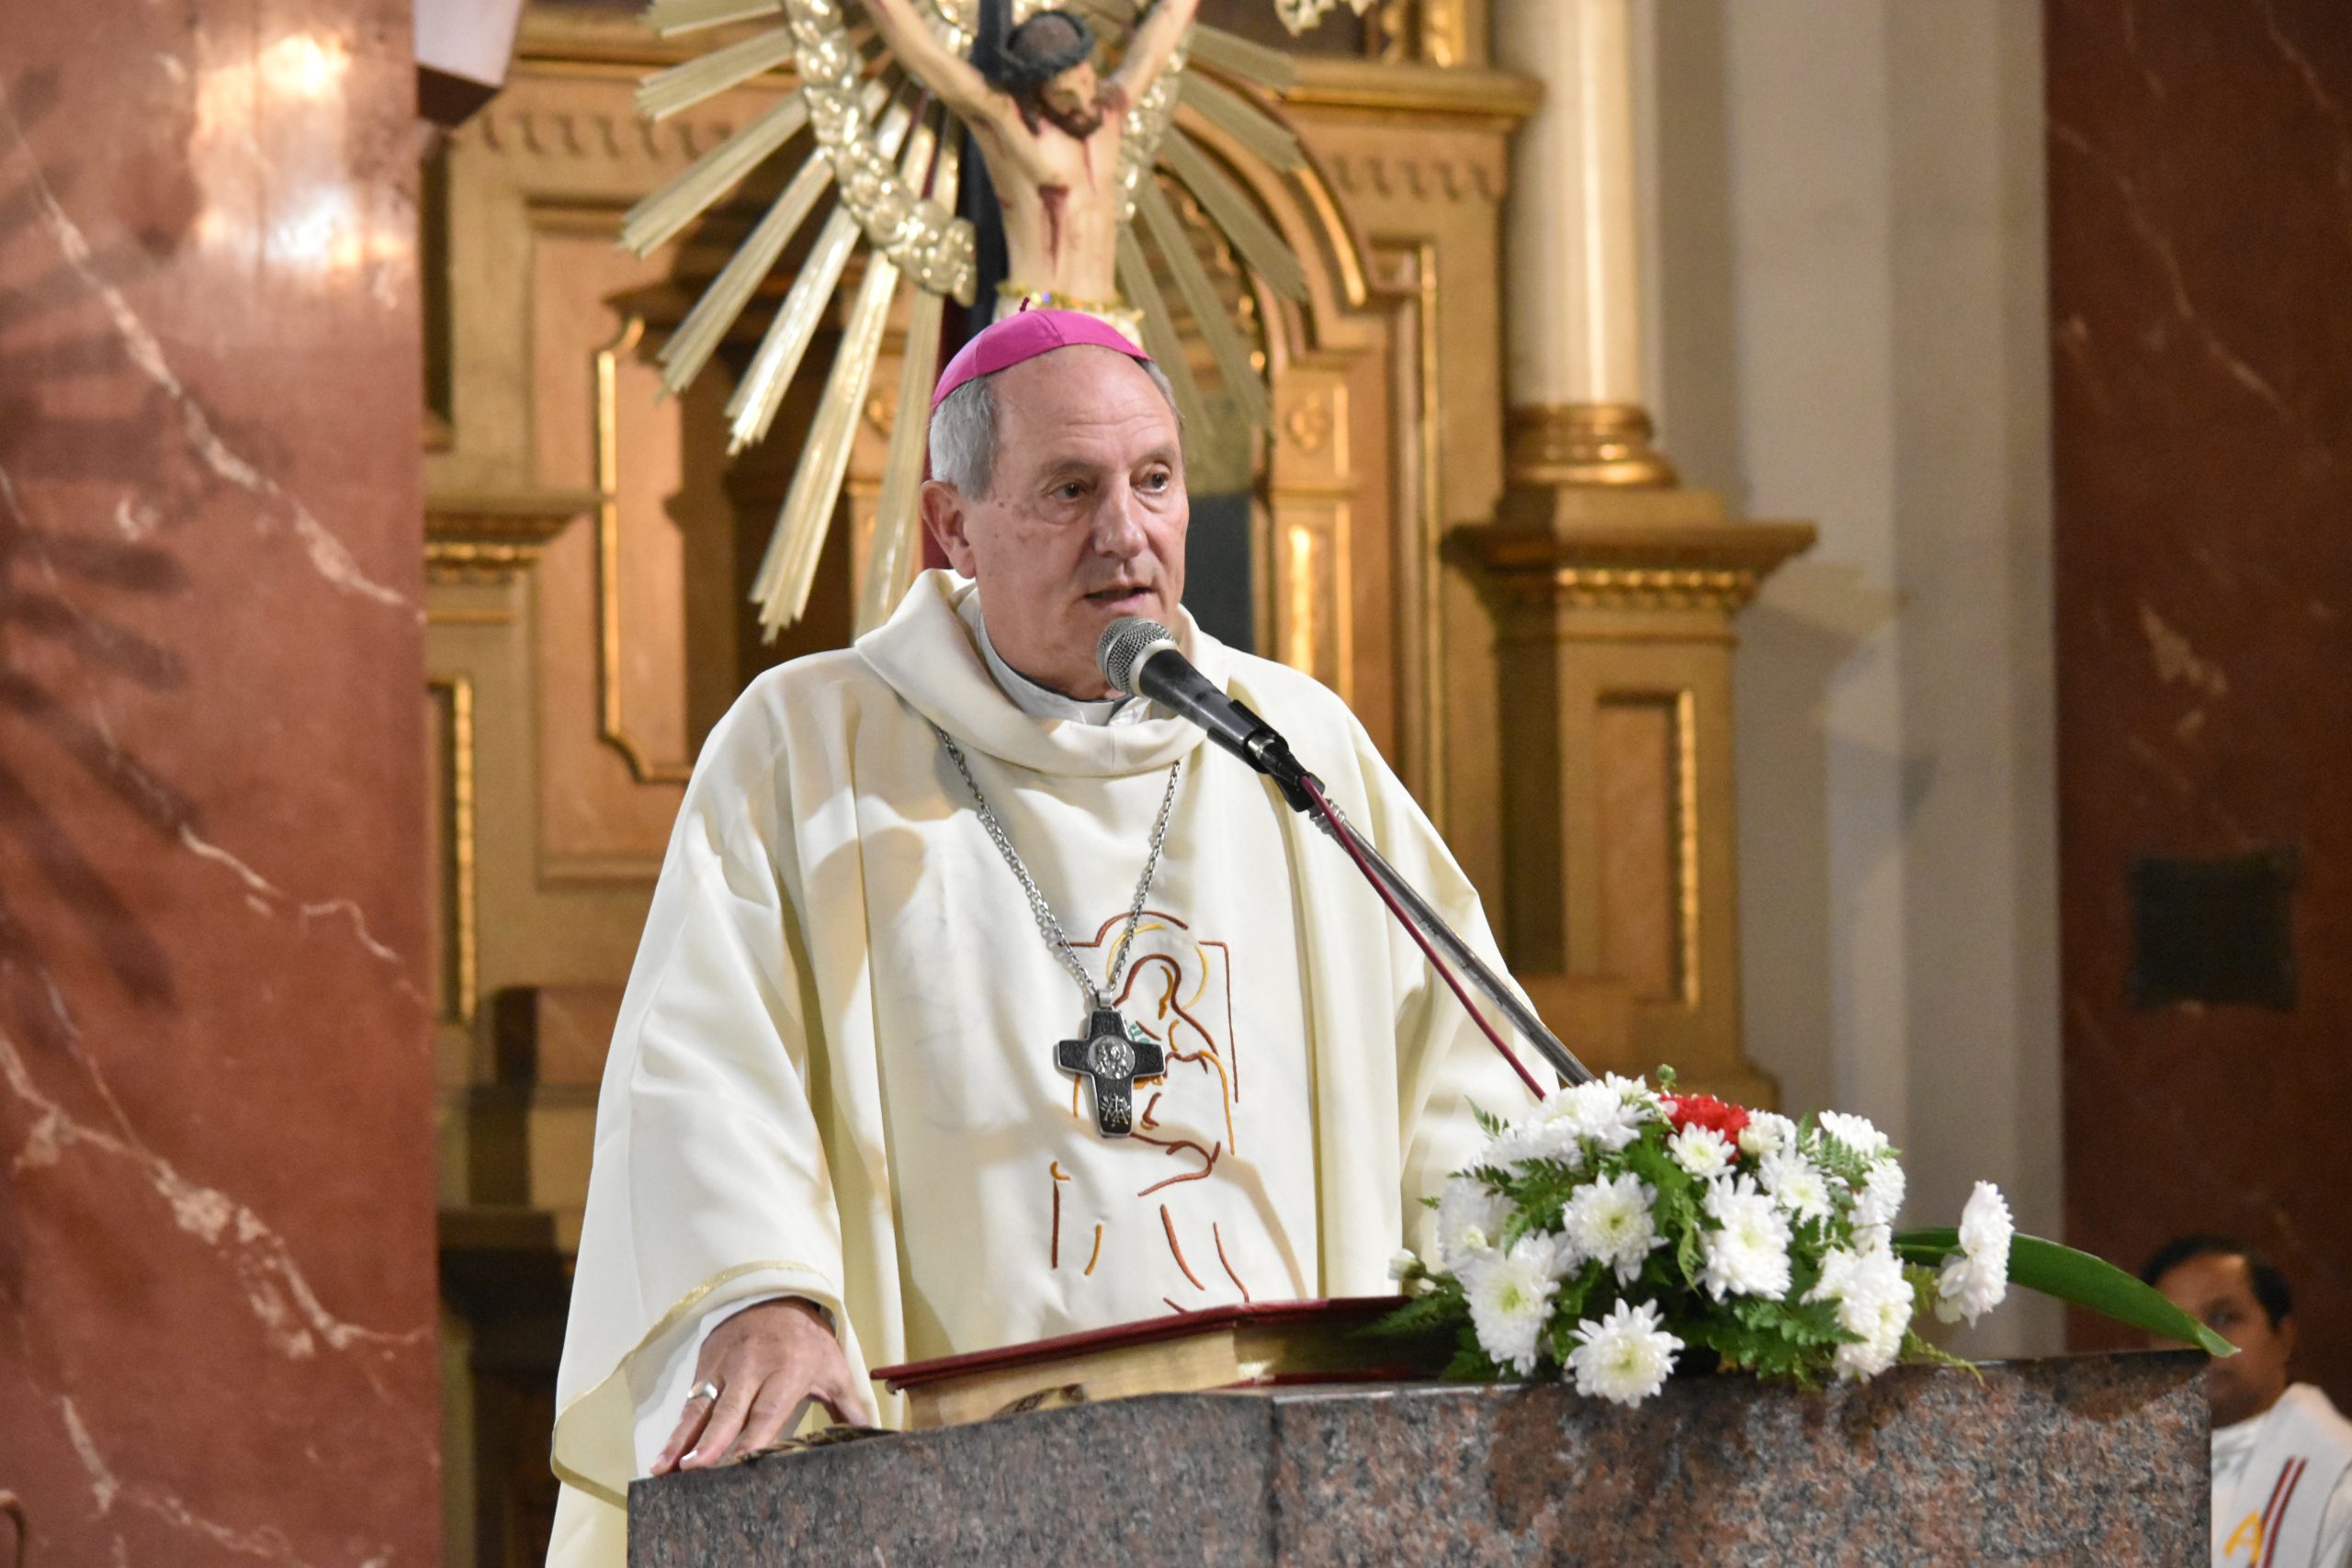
[(1114, 1059)]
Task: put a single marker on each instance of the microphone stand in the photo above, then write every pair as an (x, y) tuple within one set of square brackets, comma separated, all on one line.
[(1418, 913), (1141, 657)]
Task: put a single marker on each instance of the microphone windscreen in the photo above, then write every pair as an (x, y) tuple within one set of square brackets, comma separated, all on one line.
[(1124, 642)]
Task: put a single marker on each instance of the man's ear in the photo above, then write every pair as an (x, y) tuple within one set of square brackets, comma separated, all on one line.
[(944, 514)]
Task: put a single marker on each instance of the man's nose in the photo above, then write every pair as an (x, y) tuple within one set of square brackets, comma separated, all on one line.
[(1118, 523)]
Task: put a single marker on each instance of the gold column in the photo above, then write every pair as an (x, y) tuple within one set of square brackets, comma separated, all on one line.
[(1613, 611), (1575, 346), (1612, 593)]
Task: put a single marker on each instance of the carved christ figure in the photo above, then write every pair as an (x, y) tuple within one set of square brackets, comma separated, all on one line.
[(1051, 129)]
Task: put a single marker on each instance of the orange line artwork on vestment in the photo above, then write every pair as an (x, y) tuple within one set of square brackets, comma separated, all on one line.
[(1211, 1058), (1168, 1224), (1054, 1253), (1218, 1237), (1174, 1011), (1232, 1044), (1171, 1146), (1174, 975), (1096, 1256)]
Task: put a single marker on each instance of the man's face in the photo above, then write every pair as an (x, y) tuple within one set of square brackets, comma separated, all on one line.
[(1084, 521), (2217, 1290), (1071, 101)]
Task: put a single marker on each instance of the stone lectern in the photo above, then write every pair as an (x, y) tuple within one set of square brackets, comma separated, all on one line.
[(2094, 1459)]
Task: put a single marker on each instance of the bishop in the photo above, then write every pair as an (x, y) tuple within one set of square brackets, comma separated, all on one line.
[(928, 896)]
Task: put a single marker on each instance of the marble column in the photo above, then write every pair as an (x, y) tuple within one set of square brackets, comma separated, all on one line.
[(216, 1301), (2202, 435), (1574, 353)]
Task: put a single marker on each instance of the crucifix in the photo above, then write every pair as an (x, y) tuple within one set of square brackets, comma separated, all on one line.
[(1114, 1061)]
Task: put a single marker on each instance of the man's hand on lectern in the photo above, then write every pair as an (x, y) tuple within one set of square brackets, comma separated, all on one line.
[(765, 1360)]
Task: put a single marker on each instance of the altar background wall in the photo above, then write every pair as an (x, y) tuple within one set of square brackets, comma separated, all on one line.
[(2201, 265), (1844, 255)]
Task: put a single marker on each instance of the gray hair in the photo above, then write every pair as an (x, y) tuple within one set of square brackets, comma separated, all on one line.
[(963, 431)]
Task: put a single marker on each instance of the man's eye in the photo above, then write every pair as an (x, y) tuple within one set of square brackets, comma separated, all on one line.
[(1156, 480), (1070, 489)]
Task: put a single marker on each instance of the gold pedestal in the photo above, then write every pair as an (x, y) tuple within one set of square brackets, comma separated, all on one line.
[(1614, 606)]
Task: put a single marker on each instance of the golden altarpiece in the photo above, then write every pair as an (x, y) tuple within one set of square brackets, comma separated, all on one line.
[(1541, 652)]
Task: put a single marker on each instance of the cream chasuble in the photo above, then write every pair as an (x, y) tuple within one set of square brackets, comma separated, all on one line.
[(833, 1073)]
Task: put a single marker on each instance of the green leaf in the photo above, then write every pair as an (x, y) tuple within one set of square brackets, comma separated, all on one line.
[(1439, 1309), (2078, 1278), (1918, 1349), (1928, 1244)]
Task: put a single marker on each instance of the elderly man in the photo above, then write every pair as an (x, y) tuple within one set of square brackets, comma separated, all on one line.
[(2282, 1457), (836, 1130)]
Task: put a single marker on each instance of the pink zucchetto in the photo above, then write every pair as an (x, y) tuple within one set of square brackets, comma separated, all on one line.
[(1005, 344)]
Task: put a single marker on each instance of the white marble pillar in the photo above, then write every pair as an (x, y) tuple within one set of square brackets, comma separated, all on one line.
[(1572, 291)]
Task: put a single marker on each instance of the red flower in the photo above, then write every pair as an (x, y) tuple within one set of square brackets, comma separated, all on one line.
[(1706, 1111)]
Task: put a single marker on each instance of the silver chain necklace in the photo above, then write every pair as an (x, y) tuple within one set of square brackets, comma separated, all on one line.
[(1111, 1055)]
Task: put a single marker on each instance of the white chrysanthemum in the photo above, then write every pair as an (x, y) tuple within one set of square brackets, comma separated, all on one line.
[(1609, 1223), (1881, 1347), (1985, 1228), (1633, 1091), (1703, 1152), (1973, 1281), (1766, 1132), (1470, 1217), (1402, 1261), (1873, 1300), (1510, 1298), (1967, 1288), (1796, 1184), (1855, 1132), (1747, 1253), (1603, 1113), (1548, 1129), (1560, 1127), (1626, 1357), (1881, 1197)]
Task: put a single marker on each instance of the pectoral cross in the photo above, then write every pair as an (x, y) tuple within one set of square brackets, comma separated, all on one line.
[(1114, 1059)]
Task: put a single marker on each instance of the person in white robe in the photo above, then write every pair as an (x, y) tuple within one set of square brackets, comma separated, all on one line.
[(2283, 1454), (832, 1133)]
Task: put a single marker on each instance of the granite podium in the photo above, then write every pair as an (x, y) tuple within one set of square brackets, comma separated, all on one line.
[(2070, 1459)]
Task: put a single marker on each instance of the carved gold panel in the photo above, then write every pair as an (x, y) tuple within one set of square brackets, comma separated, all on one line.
[(1645, 746), (580, 534)]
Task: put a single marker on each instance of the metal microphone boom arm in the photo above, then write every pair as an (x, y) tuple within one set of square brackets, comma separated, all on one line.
[(1422, 914), (1140, 657)]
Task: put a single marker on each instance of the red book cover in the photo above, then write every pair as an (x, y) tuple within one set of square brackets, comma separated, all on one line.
[(1343, 1315)]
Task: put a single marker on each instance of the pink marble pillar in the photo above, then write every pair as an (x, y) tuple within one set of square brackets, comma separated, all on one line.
[(2200, 259), (216, 1317)]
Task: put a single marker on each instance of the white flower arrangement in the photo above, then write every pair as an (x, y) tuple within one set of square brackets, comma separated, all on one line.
[(1614, 1232)]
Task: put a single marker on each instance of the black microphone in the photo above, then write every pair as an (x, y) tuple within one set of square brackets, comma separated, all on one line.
[(1140, 657)]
